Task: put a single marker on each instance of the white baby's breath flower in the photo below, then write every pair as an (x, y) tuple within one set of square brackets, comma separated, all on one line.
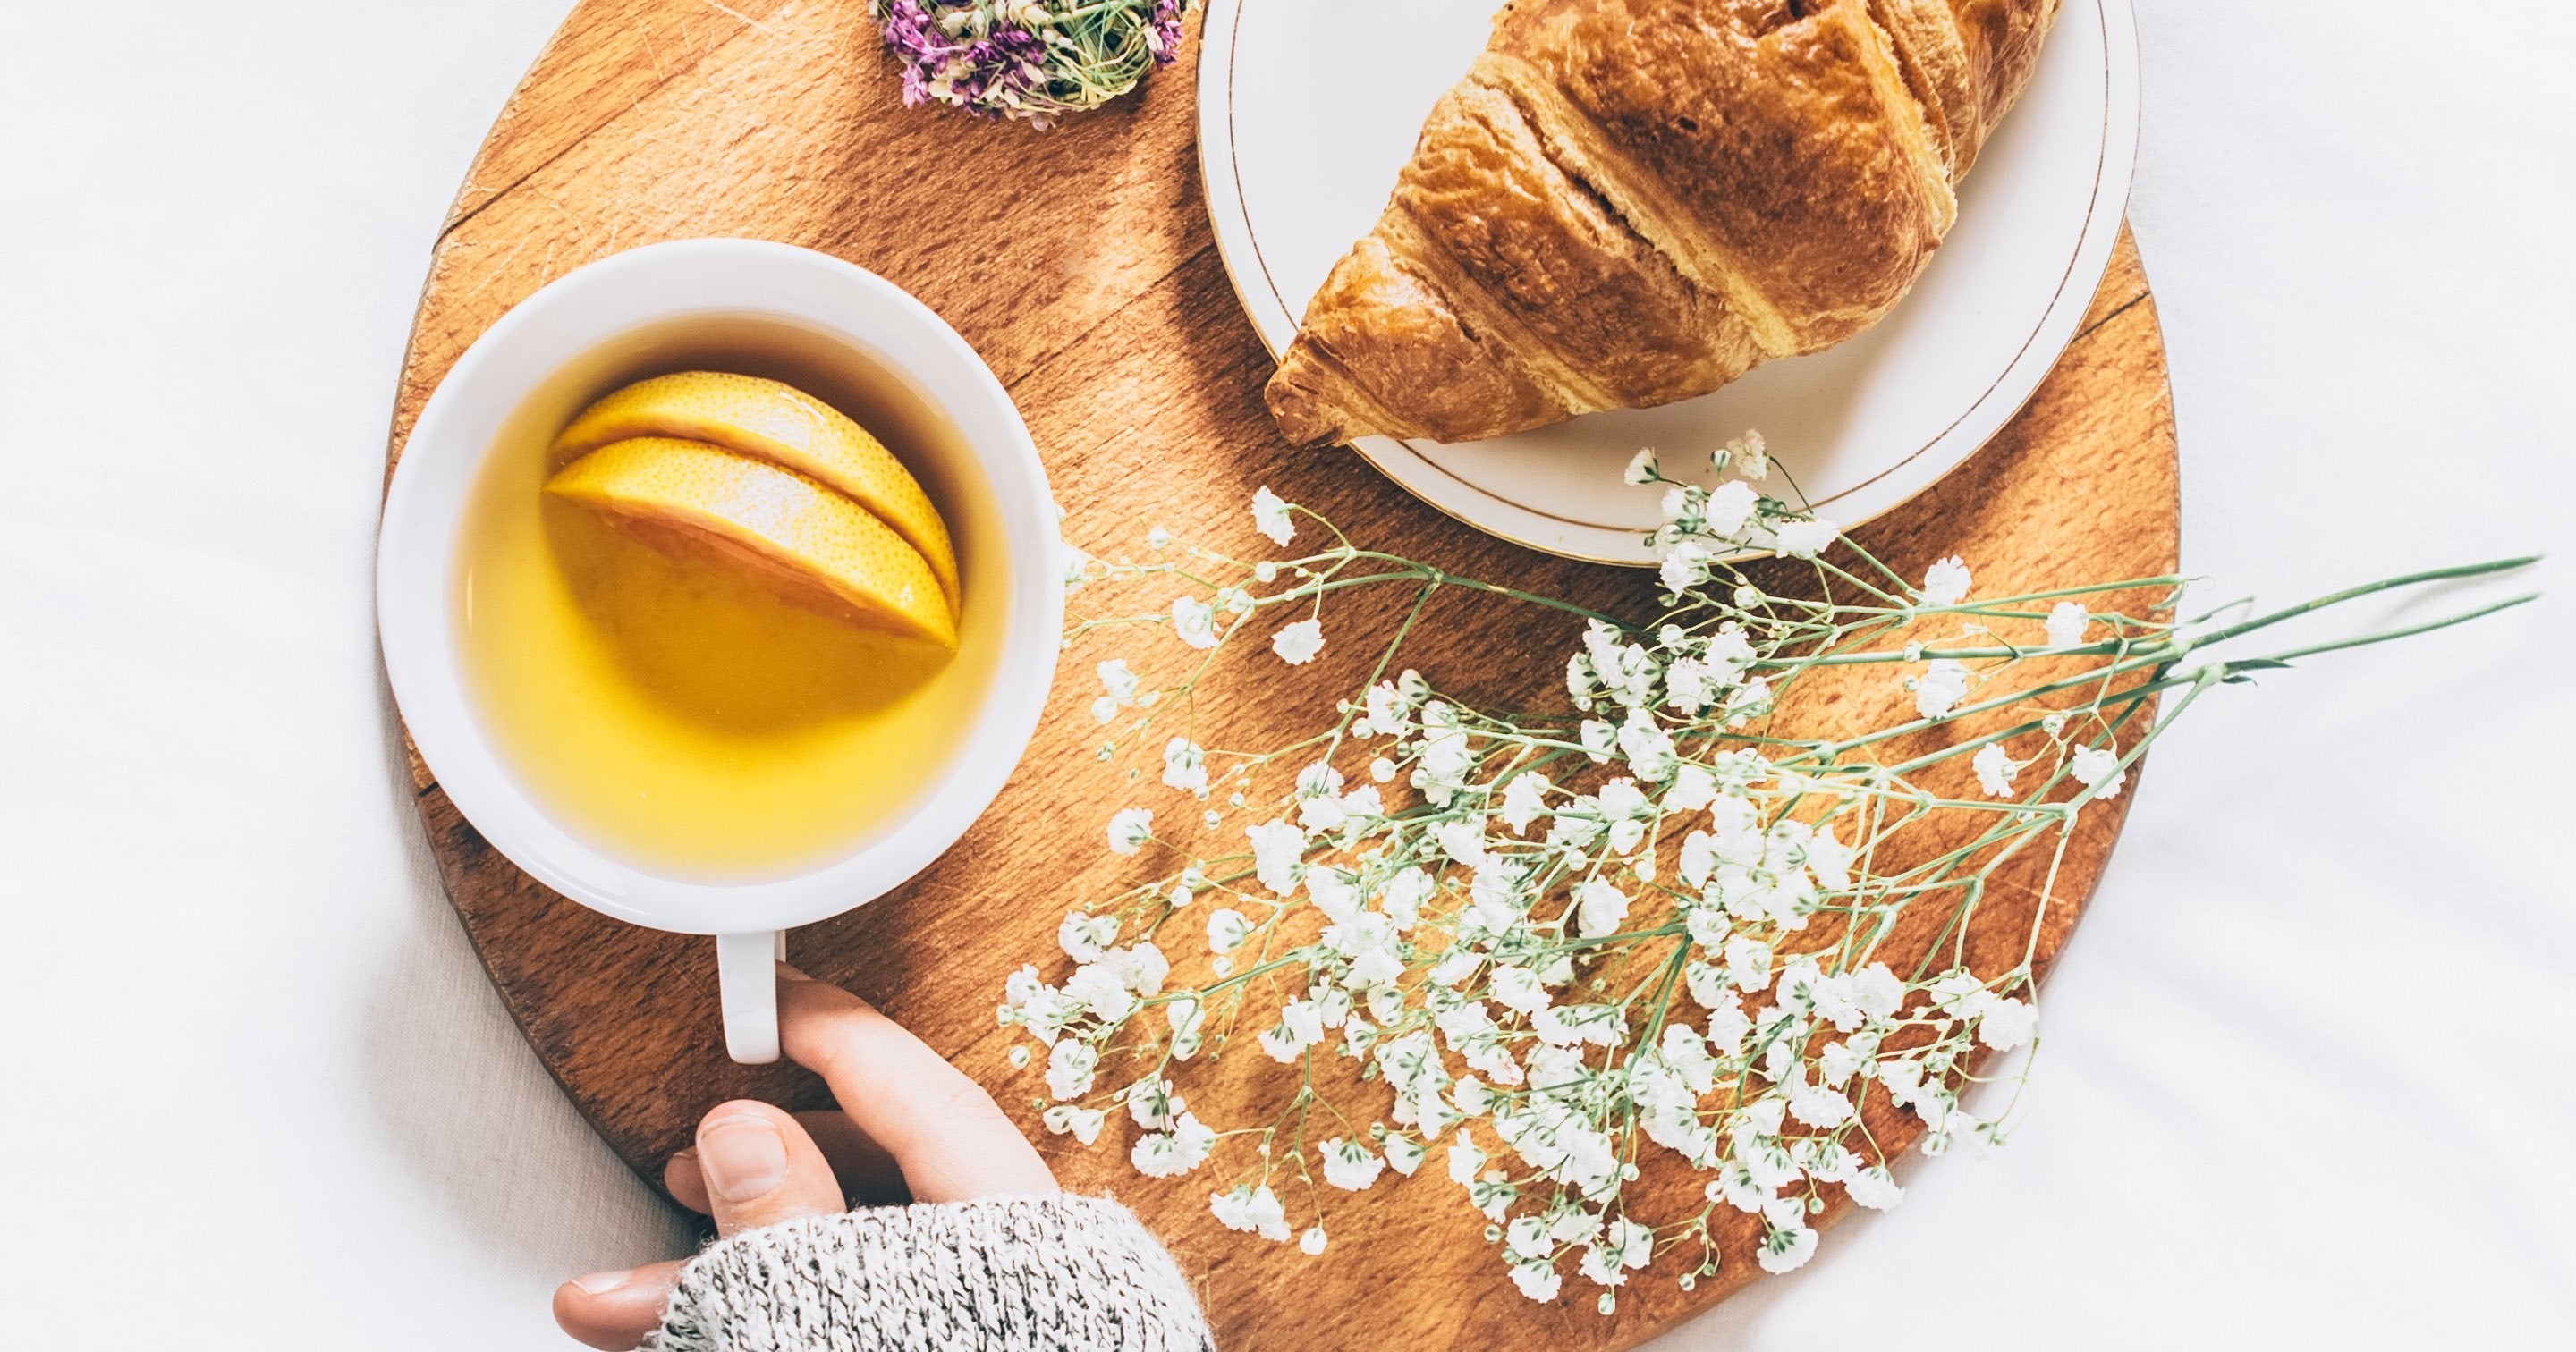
[(1818, 1106), (1462, 957), (1129, 829), (1084, 936), (1152, 1103), (1518, 988), (1083, 1124), (1624, 1245), (1098, 990), (1070, 1064), (1677, 509), (1402, 900), (1939, 689), (1140, 967), (1312, 1242), (1524, 798), (1270, 516), (1685, 566), (1693, 788), (1278, 850), (1298, 643), (1959, 993), (1642, 468), (1647, 747), (1456, 964), (1185, 766), (1252, 1210), (1874, 1188), (1332, 891), (1995, 770), (1749, 455), (2066, 622), (1786, 1250), (1301, 1025), (1946, 582), (1318, 780), (2004, 1023), (1566, 1025), (1386, 708), (1363, 805), (1538, 1281), (1465, 1160), (1829, 860), (1075, 568), (1118, 681), (1599, 909), (1169, 1154), (1621, 801), (1349, 1165), (1195, 621), (1805, 539), (2098, 769), (1317, 816), (1748, 963), (1708, 985), (1730, 509), (1877, 990)]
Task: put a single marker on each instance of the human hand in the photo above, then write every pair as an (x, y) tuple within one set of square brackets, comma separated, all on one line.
[(912, 1128)]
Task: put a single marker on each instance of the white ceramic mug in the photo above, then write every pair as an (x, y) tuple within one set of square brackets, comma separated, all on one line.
[(844, 334)]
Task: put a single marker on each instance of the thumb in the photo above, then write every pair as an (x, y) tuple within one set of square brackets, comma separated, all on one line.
[(615, 1310), (944, 1132)]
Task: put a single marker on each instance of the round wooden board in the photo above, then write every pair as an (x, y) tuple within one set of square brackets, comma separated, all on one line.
[(1079, 263)]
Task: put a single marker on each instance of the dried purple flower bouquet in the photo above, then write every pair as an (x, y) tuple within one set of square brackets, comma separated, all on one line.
[(1032, 59)]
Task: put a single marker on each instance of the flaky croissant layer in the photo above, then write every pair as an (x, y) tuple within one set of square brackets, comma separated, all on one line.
[(1630, 202)]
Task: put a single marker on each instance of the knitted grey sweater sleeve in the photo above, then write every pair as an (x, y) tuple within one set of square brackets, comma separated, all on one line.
[(1004, 1274)]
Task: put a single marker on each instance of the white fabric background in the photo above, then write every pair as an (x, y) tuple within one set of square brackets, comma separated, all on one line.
[(2306, 1076)]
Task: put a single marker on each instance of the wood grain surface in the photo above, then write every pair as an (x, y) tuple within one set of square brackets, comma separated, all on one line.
[(1079, 263)]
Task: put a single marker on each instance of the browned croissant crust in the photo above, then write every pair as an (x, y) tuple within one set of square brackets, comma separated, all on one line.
[(1629, 202)]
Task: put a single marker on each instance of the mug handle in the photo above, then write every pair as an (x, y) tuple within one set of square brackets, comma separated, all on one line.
[(747, 975)]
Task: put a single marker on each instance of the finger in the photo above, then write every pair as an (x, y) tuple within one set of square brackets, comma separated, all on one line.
[(942, 1130), (615, 1310), (761, 1168), (867, 1174), (687, 1186)]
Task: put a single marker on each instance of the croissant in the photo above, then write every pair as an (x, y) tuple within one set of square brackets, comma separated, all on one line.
[(1629, 202)]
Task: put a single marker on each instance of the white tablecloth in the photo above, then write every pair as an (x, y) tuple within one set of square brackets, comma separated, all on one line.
[(2306, 1075)]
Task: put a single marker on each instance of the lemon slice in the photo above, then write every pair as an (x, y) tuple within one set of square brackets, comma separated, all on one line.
[(815, 546), (765, 419)]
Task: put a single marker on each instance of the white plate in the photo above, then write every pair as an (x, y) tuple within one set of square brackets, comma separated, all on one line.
[(1304, 121)]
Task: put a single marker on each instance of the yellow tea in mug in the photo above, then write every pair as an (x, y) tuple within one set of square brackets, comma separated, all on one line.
[(677, 713)]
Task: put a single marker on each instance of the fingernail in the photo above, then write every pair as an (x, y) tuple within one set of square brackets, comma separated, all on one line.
[(601, 1283), (743, 1157)]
